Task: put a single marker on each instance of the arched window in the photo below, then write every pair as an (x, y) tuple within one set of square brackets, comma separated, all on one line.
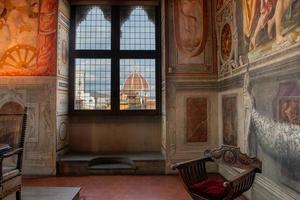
[(115, 59)]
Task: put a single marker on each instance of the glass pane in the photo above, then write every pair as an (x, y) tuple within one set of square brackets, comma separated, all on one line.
[(137, 28), (92, 84), (137, 84), (93, 28)]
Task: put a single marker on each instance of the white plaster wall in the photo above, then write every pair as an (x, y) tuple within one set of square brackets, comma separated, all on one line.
[(39, 95), (115, 134)]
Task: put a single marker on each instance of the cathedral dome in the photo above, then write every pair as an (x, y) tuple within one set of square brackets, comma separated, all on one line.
[(134, 84)]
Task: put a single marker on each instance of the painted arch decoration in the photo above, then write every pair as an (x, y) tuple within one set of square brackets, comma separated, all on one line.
[(27, 37)]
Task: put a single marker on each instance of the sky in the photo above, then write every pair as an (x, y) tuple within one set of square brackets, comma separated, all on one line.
[(94, 33)]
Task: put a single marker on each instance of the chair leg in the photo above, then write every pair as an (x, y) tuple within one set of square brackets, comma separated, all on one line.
[(18, 195)]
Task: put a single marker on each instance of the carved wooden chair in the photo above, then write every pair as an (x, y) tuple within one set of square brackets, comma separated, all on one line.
[(201, 186), (12, 132)]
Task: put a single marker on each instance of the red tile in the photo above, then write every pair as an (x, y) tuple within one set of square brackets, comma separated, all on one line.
[(119, 187)]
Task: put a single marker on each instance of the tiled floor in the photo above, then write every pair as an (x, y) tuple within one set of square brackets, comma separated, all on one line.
[(119, 187)]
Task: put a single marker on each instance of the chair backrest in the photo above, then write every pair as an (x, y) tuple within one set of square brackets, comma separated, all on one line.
[(12, 124), (232, 156)]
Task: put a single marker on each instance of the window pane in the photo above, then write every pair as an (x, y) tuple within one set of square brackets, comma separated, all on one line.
[(137, 28), (137, 84), (92, 84), (93, 28)]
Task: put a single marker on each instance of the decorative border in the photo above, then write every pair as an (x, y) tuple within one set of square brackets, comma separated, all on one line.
[(227, 15)]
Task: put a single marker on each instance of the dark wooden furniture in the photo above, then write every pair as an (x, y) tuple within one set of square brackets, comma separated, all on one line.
[(193, 173), (12, 133), (4, 148)]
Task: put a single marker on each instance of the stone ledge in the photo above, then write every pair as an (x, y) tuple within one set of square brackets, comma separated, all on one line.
[(147, 163)]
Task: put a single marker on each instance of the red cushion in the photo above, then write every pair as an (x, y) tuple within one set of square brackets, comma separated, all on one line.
[(212, 188)]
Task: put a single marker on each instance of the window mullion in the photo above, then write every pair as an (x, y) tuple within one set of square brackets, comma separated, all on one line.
[(115, 88), (72, 59), (92, 53), (158, 71)]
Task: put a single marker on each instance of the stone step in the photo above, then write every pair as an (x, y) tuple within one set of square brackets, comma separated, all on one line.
[(148, 163)]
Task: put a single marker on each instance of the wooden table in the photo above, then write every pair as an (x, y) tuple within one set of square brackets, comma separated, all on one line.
[(48, 193), (4, 148)]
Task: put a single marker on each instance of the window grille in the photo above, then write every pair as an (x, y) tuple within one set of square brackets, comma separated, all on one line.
[(115, 59)]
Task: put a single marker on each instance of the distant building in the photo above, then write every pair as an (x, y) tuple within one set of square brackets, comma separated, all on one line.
[(83, 100), (134, 92), (102, 101)]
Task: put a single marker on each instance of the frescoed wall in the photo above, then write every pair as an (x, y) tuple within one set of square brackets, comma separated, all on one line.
[(270, 29), (29, 76), (270, 25), (262, 37), (227, 38), (27, 37), (229, 119), (190, 20), (190, 101), (196, 120), (190, 41), (275, 130)]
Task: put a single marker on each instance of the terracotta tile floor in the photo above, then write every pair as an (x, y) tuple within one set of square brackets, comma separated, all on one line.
[(119, 187)]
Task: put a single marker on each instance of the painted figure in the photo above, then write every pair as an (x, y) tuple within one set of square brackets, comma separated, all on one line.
[(190, 18), (278, 139), (27, 37), (229, 116), (271, 13), (289, 111), (189, 23), (22, 22), (266, 8), (281, 8), (4, 29), (226, 42), (18, 35), (249, 12)]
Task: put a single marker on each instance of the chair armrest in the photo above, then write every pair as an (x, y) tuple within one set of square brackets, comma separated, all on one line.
[(11, 153), (241, 183), (192, 171), (190, 162)]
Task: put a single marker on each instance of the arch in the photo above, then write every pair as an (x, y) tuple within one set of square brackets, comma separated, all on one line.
[(12, 107)]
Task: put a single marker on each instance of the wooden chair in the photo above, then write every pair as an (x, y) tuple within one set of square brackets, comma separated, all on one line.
[(12, 132), (201, 186)]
